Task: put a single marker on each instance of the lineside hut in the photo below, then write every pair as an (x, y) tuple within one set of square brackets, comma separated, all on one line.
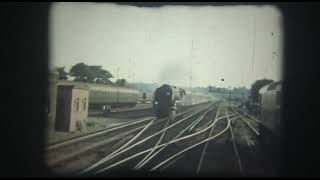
[(72, 107)]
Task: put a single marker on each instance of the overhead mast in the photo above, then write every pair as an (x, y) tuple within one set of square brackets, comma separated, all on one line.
[(254, 42), (191, 52)]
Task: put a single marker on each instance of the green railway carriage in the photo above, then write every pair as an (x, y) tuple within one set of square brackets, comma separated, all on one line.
[(104, 97)]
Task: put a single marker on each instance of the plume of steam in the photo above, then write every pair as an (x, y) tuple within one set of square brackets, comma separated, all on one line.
[(174, 73)]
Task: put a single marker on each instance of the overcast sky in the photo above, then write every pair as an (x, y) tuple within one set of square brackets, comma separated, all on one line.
[(155, 44)]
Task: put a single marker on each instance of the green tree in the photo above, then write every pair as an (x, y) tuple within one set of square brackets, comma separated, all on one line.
[(91, 74), (101, 76), (81, 72), (62, 73), (256, 86)]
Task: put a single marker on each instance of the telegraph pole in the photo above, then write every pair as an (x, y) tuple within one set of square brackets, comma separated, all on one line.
[(191, 64), (132, 79), (118, 69), (132, 65), (254, 42)]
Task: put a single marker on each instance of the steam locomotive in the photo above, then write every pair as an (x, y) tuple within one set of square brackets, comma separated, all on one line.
[(170, 99)]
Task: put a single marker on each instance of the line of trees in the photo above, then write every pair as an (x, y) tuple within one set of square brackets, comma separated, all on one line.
[(236, 92), (96, 74), (90, 74), (252, 93)]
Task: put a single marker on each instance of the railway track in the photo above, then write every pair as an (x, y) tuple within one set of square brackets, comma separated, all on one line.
[(232, 162), (243, 148), (148, 141), (194, 154), (200, 141), (81, 138), (257, 162), (64, 151), (142, 161), (69, 156), (181, 153)]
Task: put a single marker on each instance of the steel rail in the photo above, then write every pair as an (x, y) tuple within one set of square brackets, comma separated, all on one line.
[(103, 131), (172, 162), (234, 145), (250, 126), (206, 145), (122, 147), (174, 140), (145, 151), (199, 119), (203, 130), (258, 121), (103, 160), (74, 140), (97, 144), (190, 147), (140, 164), (152, 136), (181, 133), (132, 139)]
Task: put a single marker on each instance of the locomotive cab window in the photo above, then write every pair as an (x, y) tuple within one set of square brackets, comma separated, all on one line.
[(170, 89)]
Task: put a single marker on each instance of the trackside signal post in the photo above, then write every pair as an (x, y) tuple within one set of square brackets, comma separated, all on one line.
[(229, 94), (118, 85)]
